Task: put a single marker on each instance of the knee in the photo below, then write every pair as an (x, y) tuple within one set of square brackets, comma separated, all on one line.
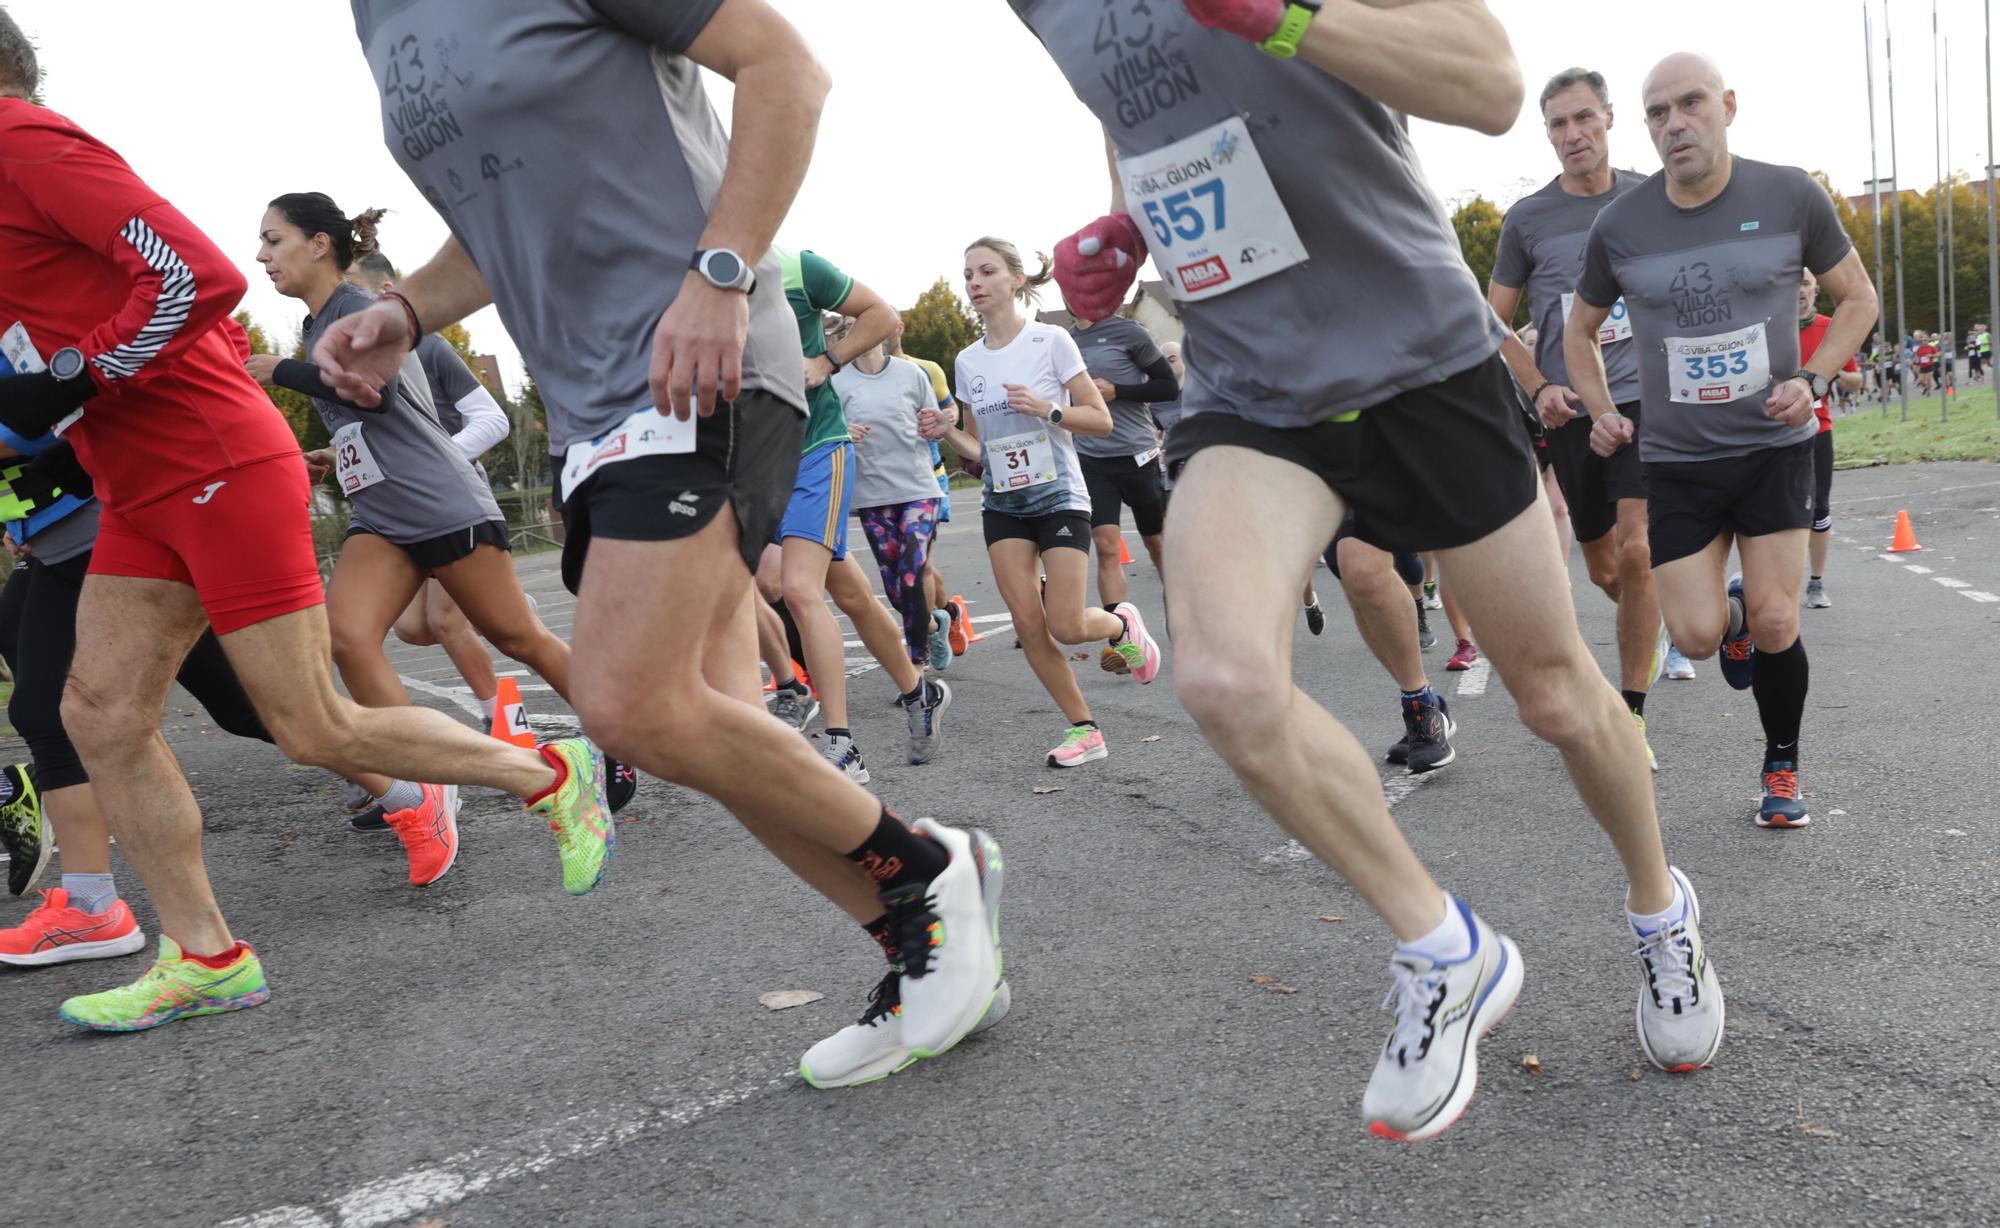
[(1606, 568), (419, 635), (801, 594), (1031, 624), (351, 648), (1230, 693), (666, 734), (1067, 626), (521, 645), (1555, 702), (1774, 622), (96, 718)]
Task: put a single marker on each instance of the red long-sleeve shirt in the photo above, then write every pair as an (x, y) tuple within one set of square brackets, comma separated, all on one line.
[(92, 257)]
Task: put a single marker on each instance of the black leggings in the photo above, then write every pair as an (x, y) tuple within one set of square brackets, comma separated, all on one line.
[(38, 638)]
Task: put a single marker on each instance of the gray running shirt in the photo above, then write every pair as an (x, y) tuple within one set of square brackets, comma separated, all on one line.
[(893, 462), (428, 488), (1541, 250), (1385, 302), (1714, 297), (449, 378), (68, 537), (1118, 351), (570, 147)]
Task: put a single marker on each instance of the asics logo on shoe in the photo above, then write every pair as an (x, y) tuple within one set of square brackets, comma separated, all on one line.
[(208, 492)]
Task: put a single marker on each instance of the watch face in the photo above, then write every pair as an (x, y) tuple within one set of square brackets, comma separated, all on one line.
[(67, 363), (724, 267)]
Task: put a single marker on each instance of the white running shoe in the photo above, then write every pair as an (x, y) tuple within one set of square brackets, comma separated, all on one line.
[(1680, 1003), (950, 951), (1430, 1066), (1679, 668), (842, 753), (1663, 650)]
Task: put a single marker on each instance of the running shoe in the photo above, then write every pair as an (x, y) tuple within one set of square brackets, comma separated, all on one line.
[(1651, 761), (579, 814), (842, 753), (1315, 617), (429, 832), (961, 627), (926, 715), (940, 640), (621, 782), (793, 708), (1427, 732), (374, 819), (1111, 661), (23, 833), (1141, 653), (1426, 638), (1462, 659), (1679, 668), (56, 933), (1080, 745), (1737, 667), (1399, 752), (1661, 647), (1431, 599), (1680, 1002), (1783, 807), (1430, 1065), (873, 1047), (355, 798), (949, 947), (1816, 598), (173, 987)]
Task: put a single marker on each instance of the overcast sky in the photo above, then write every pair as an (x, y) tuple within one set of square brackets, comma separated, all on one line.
[(947, 121)]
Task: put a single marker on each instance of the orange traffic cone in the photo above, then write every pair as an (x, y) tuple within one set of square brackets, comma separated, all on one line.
[(972, 635), (1124, 552), (510, 716), (1906, 537)]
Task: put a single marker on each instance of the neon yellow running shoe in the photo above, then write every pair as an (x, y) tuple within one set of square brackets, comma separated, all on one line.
[(1640, 721), (579, 814), (172, 987)]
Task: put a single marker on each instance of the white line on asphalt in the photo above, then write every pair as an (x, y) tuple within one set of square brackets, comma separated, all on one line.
[(1889, 558), (465, 701), (1913, 495), (456, 1178), (1978, 596), (992, 618), (1919, 568), (1948, 582), (1472, 683)]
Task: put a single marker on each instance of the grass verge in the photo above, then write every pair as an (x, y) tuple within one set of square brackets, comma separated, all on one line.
[(1868, 436)]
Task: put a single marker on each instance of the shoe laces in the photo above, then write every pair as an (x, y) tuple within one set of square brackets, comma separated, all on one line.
[(885, 1000), (1669, 960), (1414, 996), (1782, 782), (1077, 736), (1738, 649), (45, 912), (914, 926)]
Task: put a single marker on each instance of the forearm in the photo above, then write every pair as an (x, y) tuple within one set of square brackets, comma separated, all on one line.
[(1585, 359), (301, 376), (871, 328), (1849, 380), (1852, 318), (1521, 363), (448, 288), (1084, 418), (1443, 60)]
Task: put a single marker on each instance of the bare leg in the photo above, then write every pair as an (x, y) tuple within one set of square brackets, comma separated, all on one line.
[(485, 587), (1691, 597), (446, 625), (372, 580), (1453, 612), (1638, 605), (1383, 611), (1559, 508), (805, 568), (413, 625), (771, 643), (880, 630), (78, 828), (1016, 567), (1105, 539)]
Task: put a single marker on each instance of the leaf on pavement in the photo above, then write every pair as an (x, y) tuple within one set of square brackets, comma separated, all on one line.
[(1531, 1064), (786, 999), (1151, 737), (1048, 788), (1079, 656), (1263, 980), (1815, 1130), (1638, 1073), (1832, 812), (1327, 916), (1282, 989)]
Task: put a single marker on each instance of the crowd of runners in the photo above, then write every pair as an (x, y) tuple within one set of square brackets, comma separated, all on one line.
[(719, 410)]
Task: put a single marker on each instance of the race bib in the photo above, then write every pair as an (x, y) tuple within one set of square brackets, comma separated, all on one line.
[(1020, 461), (646, 433), (1211, 217), (1616, 327), (353, 464), (1725, 367), (1146, 458)]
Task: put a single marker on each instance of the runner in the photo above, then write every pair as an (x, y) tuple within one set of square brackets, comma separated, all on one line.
[(1377, 583), (1707, 255), (1166, 413), (420, 509), (662, 530), (954, 635), (1927, 364), (1123, 467), (1812, 331), (1541, 253), (202, 520), (1029, 391), (809, 561), (1356, 279)]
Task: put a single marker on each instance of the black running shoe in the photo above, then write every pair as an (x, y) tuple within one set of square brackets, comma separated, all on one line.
[(1426, 639), (620, 784), (372, 819), (1315, 618), (1427, 728), (1400, 752), (23, 833)]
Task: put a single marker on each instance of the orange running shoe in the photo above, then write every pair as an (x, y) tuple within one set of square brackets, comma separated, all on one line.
[(429, 833), (960, 635), (55, 933)]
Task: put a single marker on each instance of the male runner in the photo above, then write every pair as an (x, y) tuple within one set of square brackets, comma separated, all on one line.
[(1708, 256), (1812, 331), (1927, 363), (676, 397), (120, 301), (1356, 280), (1541, 252)]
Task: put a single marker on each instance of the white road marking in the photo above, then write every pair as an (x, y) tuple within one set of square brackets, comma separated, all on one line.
[(1948, 582), (1472, 683), (462, 696), (1913, 495), (1890, 558), (1978, 596), (1918, 568)]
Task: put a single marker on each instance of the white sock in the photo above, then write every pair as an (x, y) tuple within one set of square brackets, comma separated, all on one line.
[(1654, 922), (93, 893), (402, 795), (1451, 940)]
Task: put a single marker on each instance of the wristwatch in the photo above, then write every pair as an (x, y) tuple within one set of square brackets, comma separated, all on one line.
[(724, 269), (1815, 382), (1055, 416), (67, 364), (1284, 41)]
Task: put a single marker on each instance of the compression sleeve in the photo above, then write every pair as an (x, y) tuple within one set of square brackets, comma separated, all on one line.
[(485, 423), (301, 376), (1159, 385)]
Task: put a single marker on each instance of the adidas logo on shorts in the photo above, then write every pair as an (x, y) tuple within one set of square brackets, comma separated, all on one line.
[(1063, 532)]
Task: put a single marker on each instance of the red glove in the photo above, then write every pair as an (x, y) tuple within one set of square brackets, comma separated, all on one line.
[(1097, 265), (1255, 20)]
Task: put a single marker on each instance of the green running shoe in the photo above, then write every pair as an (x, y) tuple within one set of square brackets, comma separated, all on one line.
[(173, 987), (579, 814), (23, 836)]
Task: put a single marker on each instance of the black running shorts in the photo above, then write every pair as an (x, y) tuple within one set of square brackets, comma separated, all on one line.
[(1823, 482), (746, 454), (1117, 482), (1591, 484), (1048, 532), (1429, 469), (1690, 503)]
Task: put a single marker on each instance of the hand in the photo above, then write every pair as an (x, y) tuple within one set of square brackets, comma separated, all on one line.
[(263, 368), (858, 431), (359, 354), (698, 349), (1610, 433), (1255, 20), (32, 404), (819, 369), (1106, 390), (1554, 403), (1022, 400), (1097, 265), (319, 463), (932, 423), (1790, 402)]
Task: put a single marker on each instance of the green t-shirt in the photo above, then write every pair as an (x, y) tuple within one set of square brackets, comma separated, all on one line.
[(814, 285)]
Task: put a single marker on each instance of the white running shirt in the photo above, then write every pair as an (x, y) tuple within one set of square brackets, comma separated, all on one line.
[(1043, 358)]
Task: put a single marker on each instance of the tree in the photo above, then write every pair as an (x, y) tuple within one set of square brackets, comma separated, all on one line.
[(297, 407), (939, 326), (1477, 224), (1922, 219)]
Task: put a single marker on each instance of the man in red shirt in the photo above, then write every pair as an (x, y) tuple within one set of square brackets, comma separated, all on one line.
[(113, 314), (1927, 361), (1812, 330)]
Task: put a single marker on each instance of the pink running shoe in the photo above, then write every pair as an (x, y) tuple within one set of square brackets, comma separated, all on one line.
[(1080, 745), (1141, 653), (1467, 653)]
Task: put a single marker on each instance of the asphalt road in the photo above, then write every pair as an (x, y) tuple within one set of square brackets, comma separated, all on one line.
[(490, 1052)]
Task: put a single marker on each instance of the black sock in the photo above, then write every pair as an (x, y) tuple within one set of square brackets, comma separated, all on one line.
[(1111, 608), (1086, 723), (1779, 683), (1635, 700), (833, 732), (878, 929), (895, 855), (1816, 577), (796, 687), (915, 695), (1410, 697)]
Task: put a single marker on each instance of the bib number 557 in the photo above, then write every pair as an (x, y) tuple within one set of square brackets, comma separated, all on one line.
[(1180, 215)]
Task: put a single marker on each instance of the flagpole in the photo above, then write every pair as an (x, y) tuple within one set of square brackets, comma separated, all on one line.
[(1875, 192), (1992, 218), (1896, 210)]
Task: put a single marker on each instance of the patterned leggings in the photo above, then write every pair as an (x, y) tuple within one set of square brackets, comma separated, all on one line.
[(899, 535)]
